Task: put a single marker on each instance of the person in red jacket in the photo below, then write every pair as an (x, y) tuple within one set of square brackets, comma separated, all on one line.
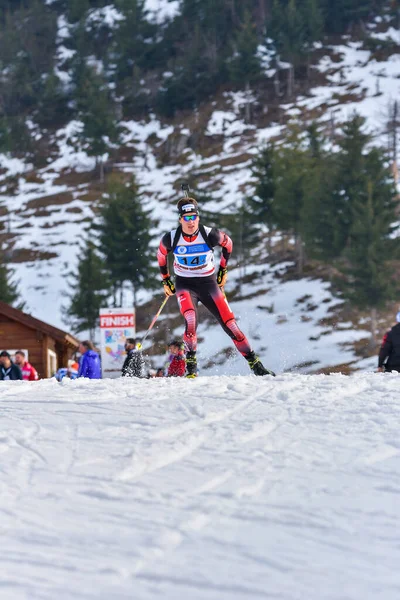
[(176, 359), (29, 373), (196, 280)]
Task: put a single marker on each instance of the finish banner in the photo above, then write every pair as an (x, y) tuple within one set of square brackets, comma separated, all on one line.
[(116, 324)]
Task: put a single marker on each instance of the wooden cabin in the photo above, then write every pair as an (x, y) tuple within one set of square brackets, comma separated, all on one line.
[(48, 348)]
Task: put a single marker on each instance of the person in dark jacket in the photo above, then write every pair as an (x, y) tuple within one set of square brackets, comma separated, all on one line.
[(134, 362), (389, 354), (89, 365), (8, 370)]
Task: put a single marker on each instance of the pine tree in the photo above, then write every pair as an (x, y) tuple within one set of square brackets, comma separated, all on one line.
[(192, 80), (262, 203), (291, 170), (90, 291), (280, 189), (198, 47), (245, 66), (52, 102), (351, 176), (124, 235), (373, 248), (5, 138), (319, 212), (245, 235), (134, 47), (313, 26), (8, 289), (313, 22), (96, 109), (27, 47), (287, 28), (339, 15), (277, 23), (76, 10), (133, 56)]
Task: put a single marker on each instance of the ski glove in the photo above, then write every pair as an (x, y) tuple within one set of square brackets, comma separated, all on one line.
[(222, 276), (169, 288)]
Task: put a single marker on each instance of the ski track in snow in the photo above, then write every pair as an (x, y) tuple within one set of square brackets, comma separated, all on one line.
[(222, 487)]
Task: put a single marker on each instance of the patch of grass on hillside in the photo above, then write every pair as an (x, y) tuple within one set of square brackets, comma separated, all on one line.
[(22, 255), (46, 201)]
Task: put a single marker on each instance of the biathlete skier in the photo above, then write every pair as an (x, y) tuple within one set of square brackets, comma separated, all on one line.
[(192, 246)]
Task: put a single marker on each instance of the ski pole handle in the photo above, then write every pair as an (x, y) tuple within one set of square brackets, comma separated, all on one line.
[(185, 188)]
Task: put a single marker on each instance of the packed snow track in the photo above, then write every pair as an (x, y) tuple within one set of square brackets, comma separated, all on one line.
[(220, 488)]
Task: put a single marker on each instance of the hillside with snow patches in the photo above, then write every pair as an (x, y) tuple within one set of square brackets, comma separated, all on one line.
[(220, 488), (49, 208)]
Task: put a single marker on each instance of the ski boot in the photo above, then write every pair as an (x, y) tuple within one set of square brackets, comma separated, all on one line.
[(256, 365), (191, 365)]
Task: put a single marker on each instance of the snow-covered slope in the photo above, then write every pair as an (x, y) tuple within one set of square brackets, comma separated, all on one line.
[(212, 489), (48, 209)]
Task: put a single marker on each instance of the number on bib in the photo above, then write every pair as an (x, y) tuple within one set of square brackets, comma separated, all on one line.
[(191, 261)]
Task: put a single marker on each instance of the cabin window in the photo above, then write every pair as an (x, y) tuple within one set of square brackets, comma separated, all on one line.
[(51, 362)]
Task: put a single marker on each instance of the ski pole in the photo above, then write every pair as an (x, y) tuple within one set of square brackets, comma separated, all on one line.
[(185, 188), (139, 346)]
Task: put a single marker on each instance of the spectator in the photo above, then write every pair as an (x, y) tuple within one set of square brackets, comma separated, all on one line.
[(73, 368), (71, 371), (134, 362), (176, 360), (29, 373), (8, 371), (160, 372), (389, 353), (89, 365)]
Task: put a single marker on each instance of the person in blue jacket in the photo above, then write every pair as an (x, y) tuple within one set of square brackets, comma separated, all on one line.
[(89, 365)]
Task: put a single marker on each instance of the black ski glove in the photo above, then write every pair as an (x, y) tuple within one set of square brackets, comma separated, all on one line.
[(222, 276), (169, 287)]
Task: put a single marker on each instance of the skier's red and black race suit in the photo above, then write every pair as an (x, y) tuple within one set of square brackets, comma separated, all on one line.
[(390, 350), (195, 282)]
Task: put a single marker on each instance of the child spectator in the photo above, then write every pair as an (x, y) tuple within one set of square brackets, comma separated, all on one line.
[(29, 373), (73, 368), (71, 371), (176, 360)]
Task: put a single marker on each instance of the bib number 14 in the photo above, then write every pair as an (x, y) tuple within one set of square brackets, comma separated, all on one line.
[(191, 261)]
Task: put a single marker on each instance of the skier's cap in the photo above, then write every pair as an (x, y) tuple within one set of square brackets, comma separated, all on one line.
[(5, 353), (187, 206), (398, 317), (130, 341)]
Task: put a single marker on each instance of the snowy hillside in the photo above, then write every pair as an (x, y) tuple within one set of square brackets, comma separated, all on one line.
[(49, 208), (213, 489)]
